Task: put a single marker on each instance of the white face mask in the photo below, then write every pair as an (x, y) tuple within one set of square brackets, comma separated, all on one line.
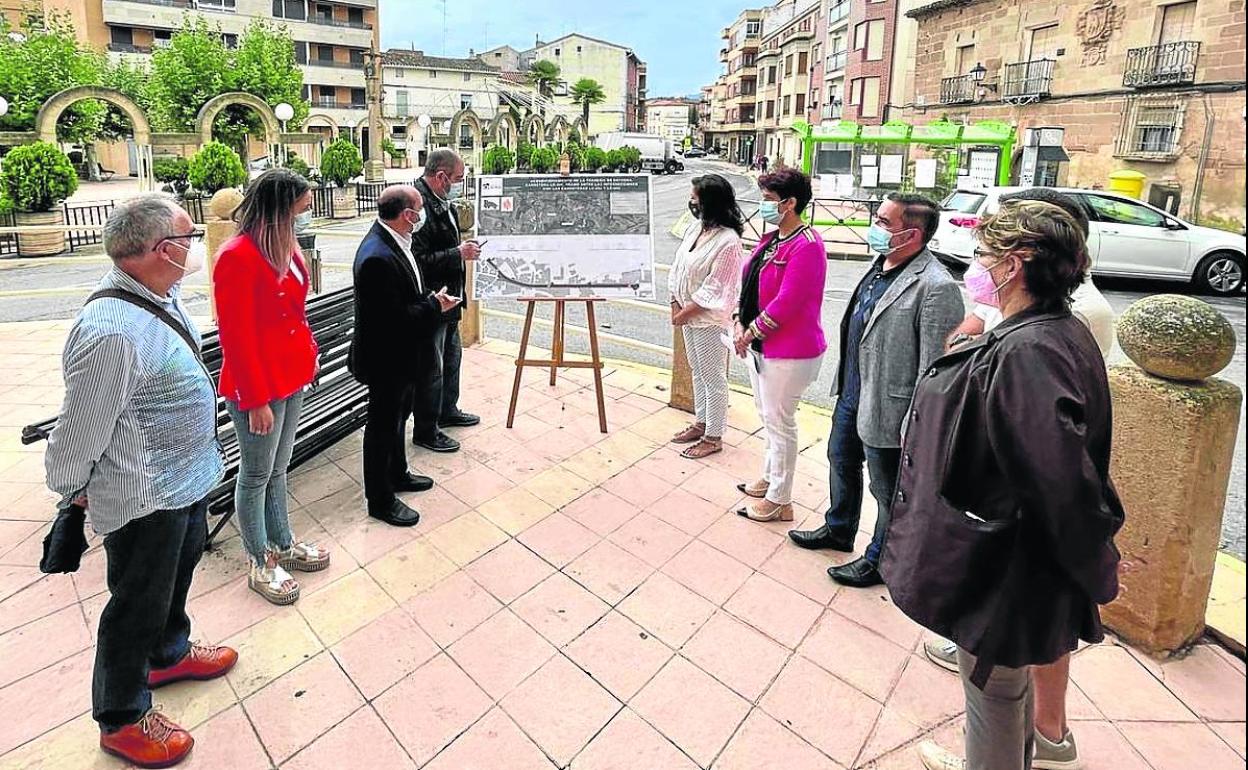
[(196, 256), (303, 221)]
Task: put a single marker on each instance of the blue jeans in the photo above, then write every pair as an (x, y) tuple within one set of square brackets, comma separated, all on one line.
[(260, 489), (846, 454), (437, 396)]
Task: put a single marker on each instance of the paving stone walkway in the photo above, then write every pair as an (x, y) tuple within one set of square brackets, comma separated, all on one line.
[(569, 599)]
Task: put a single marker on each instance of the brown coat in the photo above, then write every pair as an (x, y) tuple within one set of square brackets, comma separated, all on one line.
[(1003, 522)]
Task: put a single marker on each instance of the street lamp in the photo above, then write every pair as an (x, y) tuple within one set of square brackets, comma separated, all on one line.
[(978, 73), (424, 121), (283, 112), (4, 106)]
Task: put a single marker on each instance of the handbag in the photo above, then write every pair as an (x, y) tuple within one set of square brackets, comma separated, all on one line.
[(66, 540)]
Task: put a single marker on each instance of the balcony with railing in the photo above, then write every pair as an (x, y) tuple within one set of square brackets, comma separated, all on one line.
[(830, 112), (334, 64), (129, 48), (837, 12), (329, 21), (1168, 64), (334, 103), (957, 90), (835, 62), (1028, 79)]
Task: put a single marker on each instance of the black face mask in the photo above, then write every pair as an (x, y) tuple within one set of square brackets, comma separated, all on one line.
[(695, 209)]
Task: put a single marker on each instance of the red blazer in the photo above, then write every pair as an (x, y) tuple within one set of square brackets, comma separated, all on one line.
[(268, 352)]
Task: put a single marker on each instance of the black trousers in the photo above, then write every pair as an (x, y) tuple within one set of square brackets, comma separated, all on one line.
[(144, 626), (438, 393), (385, 445)]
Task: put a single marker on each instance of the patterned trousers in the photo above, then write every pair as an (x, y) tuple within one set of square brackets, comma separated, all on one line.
[(708, 360)]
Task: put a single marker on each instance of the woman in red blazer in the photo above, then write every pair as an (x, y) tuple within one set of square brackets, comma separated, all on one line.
[(260, 284)]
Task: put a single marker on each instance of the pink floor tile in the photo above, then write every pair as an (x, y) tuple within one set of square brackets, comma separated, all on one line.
[(638, 487), (702, 732), (559, 609), (369, 539), (226, 741), (1208, 684), (1232, 733), (431, 706), (927, 695), (667, 609), (777, 611), (501, 653), (1103, 747), (628, 743), (50, 697), (297, 707), (452, 608), (857, 655), (493, 743), (361, 740), (384, 651), (804, 571), (1178, 746), (509, 571), (229, 610), (736, 655), (608, 571), (600, 511), (478, 485), (686, 511), (38, 600), (561, 708), (619, 655), (874, 608), (558, 539), (745, 540), (668, 467), (826, 712), (650, 539), (710, 573), (762, 742), (41, 643), (1123, 689), (713, 485)]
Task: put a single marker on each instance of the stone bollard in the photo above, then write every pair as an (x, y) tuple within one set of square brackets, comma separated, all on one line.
[(1174, 438), (682, 375), (219, 228), (471, 330)]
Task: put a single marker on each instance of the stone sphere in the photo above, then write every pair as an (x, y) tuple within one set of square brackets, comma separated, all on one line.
[(224, 202), (1176, 337)]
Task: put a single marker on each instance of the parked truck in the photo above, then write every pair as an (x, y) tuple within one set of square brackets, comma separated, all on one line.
[(657, 154)]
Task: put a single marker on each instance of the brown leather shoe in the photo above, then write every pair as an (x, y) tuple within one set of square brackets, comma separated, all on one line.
[(153, 741), (689, 435), (200, 664)]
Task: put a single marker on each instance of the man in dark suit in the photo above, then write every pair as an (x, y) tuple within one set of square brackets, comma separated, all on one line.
[(396, 315), (442, 255)]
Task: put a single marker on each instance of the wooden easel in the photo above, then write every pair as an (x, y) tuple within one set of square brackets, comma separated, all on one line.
[(557, 350)]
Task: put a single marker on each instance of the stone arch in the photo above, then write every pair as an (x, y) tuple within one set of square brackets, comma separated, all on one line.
[(213, 107), (533, 128), (469, 118), (504, 119), (320, 118), (558, 130), (50, 112), (580, 125)]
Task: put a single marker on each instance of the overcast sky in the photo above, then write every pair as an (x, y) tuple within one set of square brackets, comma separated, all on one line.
[(679, 41)]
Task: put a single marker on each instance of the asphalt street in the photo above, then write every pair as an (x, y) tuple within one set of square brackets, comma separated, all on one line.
[(629, 320)]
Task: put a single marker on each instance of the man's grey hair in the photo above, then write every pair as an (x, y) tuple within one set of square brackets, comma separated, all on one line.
[(135, 225), (442, 159)]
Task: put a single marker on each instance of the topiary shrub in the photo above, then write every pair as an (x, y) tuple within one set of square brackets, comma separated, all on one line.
[(173, 171), (595, 158), (37, 177), (615, 159), (631, 157), (215, 167), (576, 156), (498, 160), (544, 160), (341, 162)]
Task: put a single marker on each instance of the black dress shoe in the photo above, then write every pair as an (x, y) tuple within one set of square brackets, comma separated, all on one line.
[(859, 573), (460, 420), (822, 537), (438, 442), (395, 514), (413, 482)]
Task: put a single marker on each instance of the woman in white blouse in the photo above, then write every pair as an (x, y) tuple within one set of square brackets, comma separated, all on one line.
[(704, 282)]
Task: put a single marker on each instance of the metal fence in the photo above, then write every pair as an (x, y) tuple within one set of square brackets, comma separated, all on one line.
[(90, 216)]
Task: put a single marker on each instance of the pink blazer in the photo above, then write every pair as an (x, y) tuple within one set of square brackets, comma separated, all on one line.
[(790, 295)]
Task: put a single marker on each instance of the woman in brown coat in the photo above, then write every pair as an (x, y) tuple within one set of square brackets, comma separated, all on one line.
[(1003, 522)]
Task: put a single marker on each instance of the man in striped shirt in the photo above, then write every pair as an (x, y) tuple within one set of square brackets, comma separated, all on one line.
[(136, 442)]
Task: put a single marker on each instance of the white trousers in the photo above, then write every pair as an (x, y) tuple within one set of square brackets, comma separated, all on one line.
[(778, 386), (708, 361)]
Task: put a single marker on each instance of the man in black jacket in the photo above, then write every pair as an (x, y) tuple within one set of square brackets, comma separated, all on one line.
[(394, 308), (442, 255)]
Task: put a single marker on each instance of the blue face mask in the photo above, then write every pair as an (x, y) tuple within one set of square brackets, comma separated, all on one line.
[(455, 191), (770, 212), (881, 240)]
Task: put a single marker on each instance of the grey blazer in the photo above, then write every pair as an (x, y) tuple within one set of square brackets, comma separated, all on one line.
[(903, 336)]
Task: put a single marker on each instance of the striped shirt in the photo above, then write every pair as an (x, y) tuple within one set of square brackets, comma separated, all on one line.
[(136, 432)]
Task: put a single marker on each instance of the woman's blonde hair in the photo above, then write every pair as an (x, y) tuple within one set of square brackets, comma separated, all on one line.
[(1049, 242), (266, 215)]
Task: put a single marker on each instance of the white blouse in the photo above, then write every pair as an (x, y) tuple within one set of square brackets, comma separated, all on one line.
[(708, 274)]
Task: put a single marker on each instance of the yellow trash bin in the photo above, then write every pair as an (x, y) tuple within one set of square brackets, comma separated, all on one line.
[(1130, 183)]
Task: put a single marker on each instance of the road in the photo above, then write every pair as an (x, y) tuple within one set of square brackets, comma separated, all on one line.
[(671, 194)]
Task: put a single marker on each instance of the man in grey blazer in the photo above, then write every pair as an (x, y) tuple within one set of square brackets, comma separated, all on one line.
[(895, 326)]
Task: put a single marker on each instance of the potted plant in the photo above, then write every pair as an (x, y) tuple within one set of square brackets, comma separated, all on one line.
[(498, 160), (545, 160), (340, 163), (398, 157), (615, 159), (36, 179), (215, 167), (595, 159)]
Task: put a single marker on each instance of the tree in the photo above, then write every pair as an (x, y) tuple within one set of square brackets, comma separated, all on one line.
[(37, 177), (264, 64), (587, 91), (215, 167), (544, 76), (43, 58), (341, 162)]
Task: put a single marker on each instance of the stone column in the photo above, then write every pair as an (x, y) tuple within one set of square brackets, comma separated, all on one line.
[(1174, 438), (218, 229), (682, 375), (374, 167)]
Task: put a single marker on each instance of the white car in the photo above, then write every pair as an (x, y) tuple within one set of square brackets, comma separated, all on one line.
[(1126, 238)]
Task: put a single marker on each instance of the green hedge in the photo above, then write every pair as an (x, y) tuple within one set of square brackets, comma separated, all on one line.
[(37, 177)]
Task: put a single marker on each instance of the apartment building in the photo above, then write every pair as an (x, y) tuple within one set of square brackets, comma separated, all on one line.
[(84, 17), (703, 128), (1153, 87), (734, 96), (671, 118), (785, 61)]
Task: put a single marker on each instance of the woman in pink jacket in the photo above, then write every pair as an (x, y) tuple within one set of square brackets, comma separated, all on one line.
[(780, 334)]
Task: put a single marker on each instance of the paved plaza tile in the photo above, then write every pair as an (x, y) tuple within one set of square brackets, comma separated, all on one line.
[(569, 600)]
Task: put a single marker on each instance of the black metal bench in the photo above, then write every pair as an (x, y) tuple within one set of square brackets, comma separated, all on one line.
[(336, 407)]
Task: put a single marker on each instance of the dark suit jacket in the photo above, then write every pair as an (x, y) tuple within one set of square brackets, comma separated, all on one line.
[(390, 312), (436, 246)]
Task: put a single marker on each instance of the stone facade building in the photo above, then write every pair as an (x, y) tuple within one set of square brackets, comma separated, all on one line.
[(1142, 85), (671, 118)]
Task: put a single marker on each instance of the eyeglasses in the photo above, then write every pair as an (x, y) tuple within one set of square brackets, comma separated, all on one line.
[(193, 237)]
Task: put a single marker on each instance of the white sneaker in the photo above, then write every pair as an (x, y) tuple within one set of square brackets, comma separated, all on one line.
[(934, 757), (1056, 756), (943, 653)]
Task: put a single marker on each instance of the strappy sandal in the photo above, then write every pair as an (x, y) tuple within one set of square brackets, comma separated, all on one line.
[(756, 489), (274, 584), (303, 557), (689, 435), (704, 448), (767, 511)]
